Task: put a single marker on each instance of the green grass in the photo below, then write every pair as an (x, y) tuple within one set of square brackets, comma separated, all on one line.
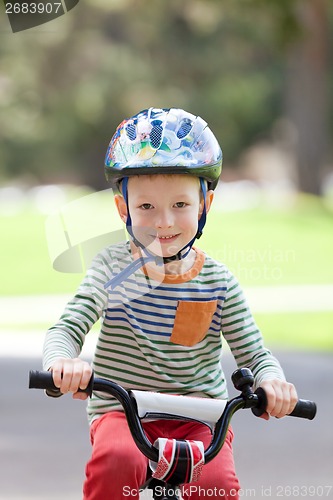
[(262, 246), (307, 330), (26, 268)]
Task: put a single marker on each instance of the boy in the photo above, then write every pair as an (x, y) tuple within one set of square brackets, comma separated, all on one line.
[(163, 305)]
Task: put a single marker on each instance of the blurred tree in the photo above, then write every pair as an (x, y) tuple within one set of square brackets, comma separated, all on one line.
[(66, 86), (307, 92), (301, 37)]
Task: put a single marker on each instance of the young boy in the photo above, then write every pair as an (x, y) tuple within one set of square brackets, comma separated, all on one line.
[(163, 305)]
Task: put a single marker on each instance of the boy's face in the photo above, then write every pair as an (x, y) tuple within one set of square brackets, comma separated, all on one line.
[(165, 210)]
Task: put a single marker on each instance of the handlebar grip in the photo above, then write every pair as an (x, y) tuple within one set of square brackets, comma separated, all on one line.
[(41, 380), (303, 409), (44, 380)]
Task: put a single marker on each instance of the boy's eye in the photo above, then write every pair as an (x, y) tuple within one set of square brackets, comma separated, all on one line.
[(146, 206), (180, 204)]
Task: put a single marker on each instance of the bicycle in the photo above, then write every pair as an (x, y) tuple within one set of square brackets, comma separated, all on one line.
[(183, 465)]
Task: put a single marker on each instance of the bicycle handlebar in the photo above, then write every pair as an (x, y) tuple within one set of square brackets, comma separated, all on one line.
[(303, 409), (242, 378)]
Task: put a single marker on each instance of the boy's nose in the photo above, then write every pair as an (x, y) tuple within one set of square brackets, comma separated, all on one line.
[(164, 220)]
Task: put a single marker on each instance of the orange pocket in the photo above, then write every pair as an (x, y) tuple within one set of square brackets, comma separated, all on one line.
[(192, 321)]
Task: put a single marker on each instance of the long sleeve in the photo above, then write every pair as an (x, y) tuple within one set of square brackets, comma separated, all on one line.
[(66, 338), (244, 337)]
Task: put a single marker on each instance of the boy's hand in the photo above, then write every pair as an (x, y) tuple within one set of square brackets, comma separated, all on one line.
[(69, 375), (281, 398)]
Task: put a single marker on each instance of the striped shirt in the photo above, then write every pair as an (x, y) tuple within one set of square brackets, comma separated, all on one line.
[(161, 332)]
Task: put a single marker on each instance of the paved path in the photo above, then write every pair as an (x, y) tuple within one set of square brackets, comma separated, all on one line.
[(23, 320), (46, 308), (44, 442)]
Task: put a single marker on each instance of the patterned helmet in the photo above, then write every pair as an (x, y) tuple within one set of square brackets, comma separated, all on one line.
[(163, 141)]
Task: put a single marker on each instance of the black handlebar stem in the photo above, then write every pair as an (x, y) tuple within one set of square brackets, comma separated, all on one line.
[(133, 419), (243, 380), (221, 427)]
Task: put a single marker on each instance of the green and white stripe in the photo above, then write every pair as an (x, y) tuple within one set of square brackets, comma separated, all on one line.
[(137, 319)]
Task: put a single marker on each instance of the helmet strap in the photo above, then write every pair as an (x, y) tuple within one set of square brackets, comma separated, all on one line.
[(124, 189), (203, 217)]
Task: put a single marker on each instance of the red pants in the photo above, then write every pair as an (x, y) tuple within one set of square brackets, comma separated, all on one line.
[(117, 468)]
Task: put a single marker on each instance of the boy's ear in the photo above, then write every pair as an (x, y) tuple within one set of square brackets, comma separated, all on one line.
[(209, 201), (121, 207)]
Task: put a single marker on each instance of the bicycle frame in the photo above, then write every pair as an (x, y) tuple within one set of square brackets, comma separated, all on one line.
[(243, 381)]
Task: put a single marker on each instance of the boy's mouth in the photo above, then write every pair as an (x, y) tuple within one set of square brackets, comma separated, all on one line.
[(166, 238)]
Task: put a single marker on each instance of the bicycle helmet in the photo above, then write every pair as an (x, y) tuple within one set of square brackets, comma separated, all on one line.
[(162, 141), (168, 141)]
